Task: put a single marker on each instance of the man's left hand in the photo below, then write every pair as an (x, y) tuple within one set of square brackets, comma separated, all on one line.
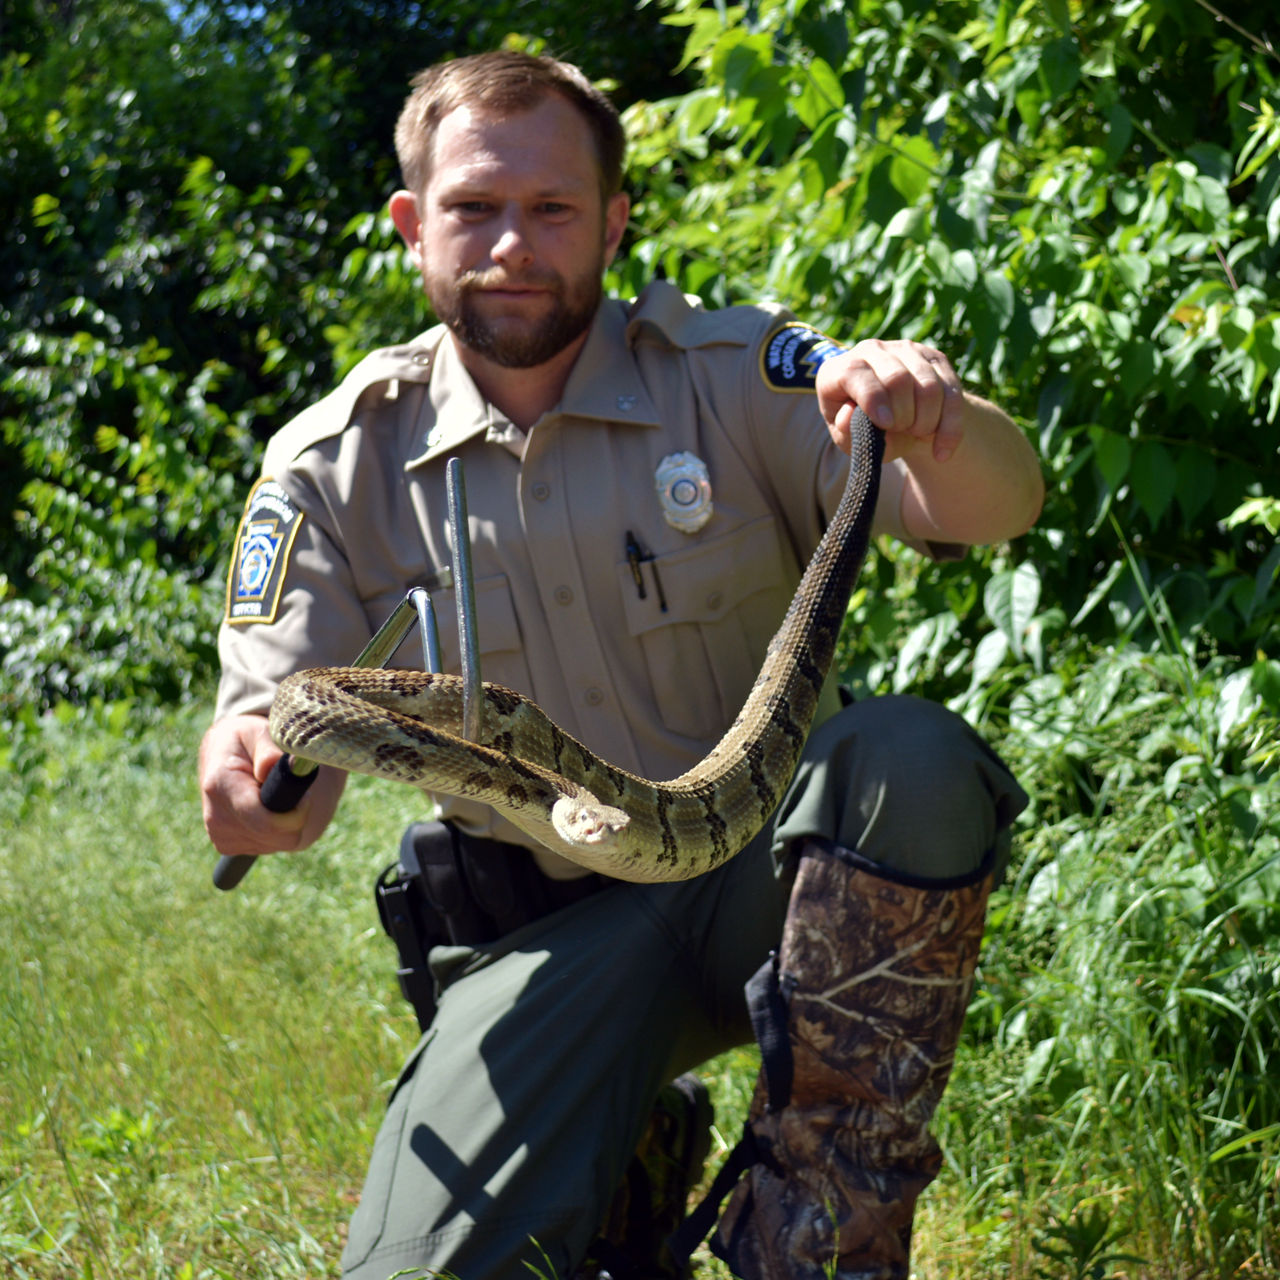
[(909, 390)]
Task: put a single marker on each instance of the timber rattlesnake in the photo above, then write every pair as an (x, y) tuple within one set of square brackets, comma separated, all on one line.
[(406, 726)]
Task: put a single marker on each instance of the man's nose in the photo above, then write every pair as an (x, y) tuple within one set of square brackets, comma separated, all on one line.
[(512, 247)]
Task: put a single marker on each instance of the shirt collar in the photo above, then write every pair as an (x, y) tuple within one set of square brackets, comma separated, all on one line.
[(456, 411), (604, 385)]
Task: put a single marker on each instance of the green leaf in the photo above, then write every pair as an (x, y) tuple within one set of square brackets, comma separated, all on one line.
[(696, 115), (299, 158), (1263, 143), (1138, 364), (963, 269), (1011, 598), (1059, 12), (988, 657), (827, 84), (1101, 62), (912, 168), (1216, 203), (742, 59), (911, 223), (1099, 592), (1112, 453), (1119, 131), (1154, 479), (1030, 102), (44, 209), (1259, 511), (1060, 67), (1194, 483), (200, 179), (1134, 270), (1265, 678), (999, 292), (991, 308)]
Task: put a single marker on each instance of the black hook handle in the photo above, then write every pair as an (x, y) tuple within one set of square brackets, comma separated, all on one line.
[(281, 792)]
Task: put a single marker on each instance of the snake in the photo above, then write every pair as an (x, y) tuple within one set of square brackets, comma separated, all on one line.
[(406, 726)]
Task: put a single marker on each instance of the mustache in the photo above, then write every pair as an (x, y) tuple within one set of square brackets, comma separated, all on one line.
[(496, 278)]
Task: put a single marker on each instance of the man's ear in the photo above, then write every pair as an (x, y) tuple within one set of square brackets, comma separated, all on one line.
[(616, 213), (403, 207)]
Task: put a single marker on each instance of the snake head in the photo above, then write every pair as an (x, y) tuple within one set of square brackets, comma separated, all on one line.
[(586, 823)]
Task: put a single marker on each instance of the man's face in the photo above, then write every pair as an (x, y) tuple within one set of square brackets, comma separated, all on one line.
[(512, 234)]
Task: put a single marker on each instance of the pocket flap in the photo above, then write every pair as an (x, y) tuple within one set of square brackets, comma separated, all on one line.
[(703, 582)]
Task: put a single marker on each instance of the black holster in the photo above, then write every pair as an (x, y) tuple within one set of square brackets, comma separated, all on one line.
[(452, 888)]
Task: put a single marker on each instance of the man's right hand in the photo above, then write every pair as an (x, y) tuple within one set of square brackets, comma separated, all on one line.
[(235, 757)]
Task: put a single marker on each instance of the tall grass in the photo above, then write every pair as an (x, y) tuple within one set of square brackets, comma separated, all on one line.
[(190, 1082), (1119, 1089)]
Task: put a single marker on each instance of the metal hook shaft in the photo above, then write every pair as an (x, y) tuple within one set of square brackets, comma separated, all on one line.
[(465, 594), (428, 632)]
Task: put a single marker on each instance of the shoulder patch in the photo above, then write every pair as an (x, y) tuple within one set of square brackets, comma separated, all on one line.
[(791, 356), (263, 541)]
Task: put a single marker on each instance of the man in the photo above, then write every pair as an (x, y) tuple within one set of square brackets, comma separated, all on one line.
[(645, 482)]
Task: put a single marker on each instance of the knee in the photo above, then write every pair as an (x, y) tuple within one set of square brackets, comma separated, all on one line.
[(909, 784)]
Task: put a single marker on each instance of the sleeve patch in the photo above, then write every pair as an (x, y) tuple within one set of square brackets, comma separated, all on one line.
[(263, 542), (791, 357)]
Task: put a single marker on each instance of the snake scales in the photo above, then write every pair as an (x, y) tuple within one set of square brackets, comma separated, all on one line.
[(407, 725)]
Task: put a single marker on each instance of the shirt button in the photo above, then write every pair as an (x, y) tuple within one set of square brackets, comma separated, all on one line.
[(593, 697), (563, 595), (715, 600), (541, 491)]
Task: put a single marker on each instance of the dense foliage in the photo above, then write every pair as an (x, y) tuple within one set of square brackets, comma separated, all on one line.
[(1079, 203), (189, 189)]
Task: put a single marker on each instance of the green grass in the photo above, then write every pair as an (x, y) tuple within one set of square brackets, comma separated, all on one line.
[(190, 1081)]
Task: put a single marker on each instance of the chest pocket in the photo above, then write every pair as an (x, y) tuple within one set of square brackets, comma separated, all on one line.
[(502, 657), (725, 598)]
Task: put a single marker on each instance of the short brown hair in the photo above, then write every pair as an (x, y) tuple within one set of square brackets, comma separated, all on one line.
[(505, 81)]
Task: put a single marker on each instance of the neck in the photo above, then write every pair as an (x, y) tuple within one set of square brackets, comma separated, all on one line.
[(521, 395)]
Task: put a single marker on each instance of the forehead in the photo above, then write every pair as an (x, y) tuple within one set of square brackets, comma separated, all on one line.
[(550, 144)]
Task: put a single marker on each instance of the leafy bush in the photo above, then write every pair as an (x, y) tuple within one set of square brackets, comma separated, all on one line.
[(180, 281), (1043, 192), (122, 530), (154, 310)]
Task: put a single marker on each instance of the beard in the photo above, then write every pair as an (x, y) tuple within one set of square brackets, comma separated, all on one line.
[(517, 342)]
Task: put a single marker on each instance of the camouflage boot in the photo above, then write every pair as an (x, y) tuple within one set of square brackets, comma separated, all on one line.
[(651, 1201), (872, 981)]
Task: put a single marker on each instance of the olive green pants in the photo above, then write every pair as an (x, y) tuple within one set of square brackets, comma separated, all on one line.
[(515, 1117)]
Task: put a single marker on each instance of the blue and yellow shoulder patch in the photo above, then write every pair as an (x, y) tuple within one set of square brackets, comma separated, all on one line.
[(267, 530), (791, 356)]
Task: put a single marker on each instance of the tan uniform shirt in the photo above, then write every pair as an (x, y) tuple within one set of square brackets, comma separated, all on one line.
[(352, 513)]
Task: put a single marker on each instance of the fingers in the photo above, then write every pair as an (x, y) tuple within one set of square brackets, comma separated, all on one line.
[(909, 390), (236, 755)]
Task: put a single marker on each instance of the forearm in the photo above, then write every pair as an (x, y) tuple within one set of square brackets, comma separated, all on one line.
[(971, 476), (988, 490)]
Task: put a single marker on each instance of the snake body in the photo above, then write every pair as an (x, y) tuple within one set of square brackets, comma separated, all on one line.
[(407, 726)]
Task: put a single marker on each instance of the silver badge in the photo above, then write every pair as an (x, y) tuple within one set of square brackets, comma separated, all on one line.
[(684, 490)]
